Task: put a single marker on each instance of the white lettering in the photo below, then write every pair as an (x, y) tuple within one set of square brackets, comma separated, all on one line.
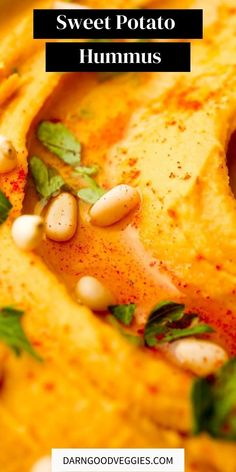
[(89, 56), (74, 23), (121, 20), (61, 22), (156, 57)]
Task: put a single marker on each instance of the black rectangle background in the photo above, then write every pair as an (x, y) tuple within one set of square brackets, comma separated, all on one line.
[(189, 24), (64, 57)]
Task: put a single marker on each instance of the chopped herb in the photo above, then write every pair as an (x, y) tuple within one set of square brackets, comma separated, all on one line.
[(214, 403), (161, 314), (123, 313), (59, 140), (87, 170), (5, 207), (183, 333), (135, 340), (92, 193), (12, 333), (168, 322), (47, 180)]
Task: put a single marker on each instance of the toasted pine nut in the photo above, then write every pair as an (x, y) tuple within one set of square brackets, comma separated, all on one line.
[(43, 465), (94, 294), (197, 355), (8, 156), (114, 205), (27, 231), (62, 218)]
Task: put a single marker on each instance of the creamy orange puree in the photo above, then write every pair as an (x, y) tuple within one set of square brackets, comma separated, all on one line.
[(167, 134), (99, 113), (167, 249), (179, 245)]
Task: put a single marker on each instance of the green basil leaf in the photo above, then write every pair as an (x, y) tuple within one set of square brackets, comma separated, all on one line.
[(47, 180), (91, 182), (172, 334), (214, 403), (123, 313), (92, 193), (168, 322), (87, 170), (59, 140), (166, 311), (12, 333), (5, 207), (160, 315)]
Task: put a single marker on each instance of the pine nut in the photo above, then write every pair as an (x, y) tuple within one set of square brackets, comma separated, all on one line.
[(43, 465), (62, 218), (27, 231), (197, 355), (8, 155), (94, 294), (114, 205)]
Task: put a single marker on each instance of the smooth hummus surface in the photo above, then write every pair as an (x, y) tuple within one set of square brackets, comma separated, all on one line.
[(167, 134)]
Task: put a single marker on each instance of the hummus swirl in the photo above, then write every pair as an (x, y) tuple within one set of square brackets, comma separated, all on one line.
[(168, 134)]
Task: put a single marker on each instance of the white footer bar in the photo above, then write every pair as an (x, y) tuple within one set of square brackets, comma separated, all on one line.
[(117, 460)]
